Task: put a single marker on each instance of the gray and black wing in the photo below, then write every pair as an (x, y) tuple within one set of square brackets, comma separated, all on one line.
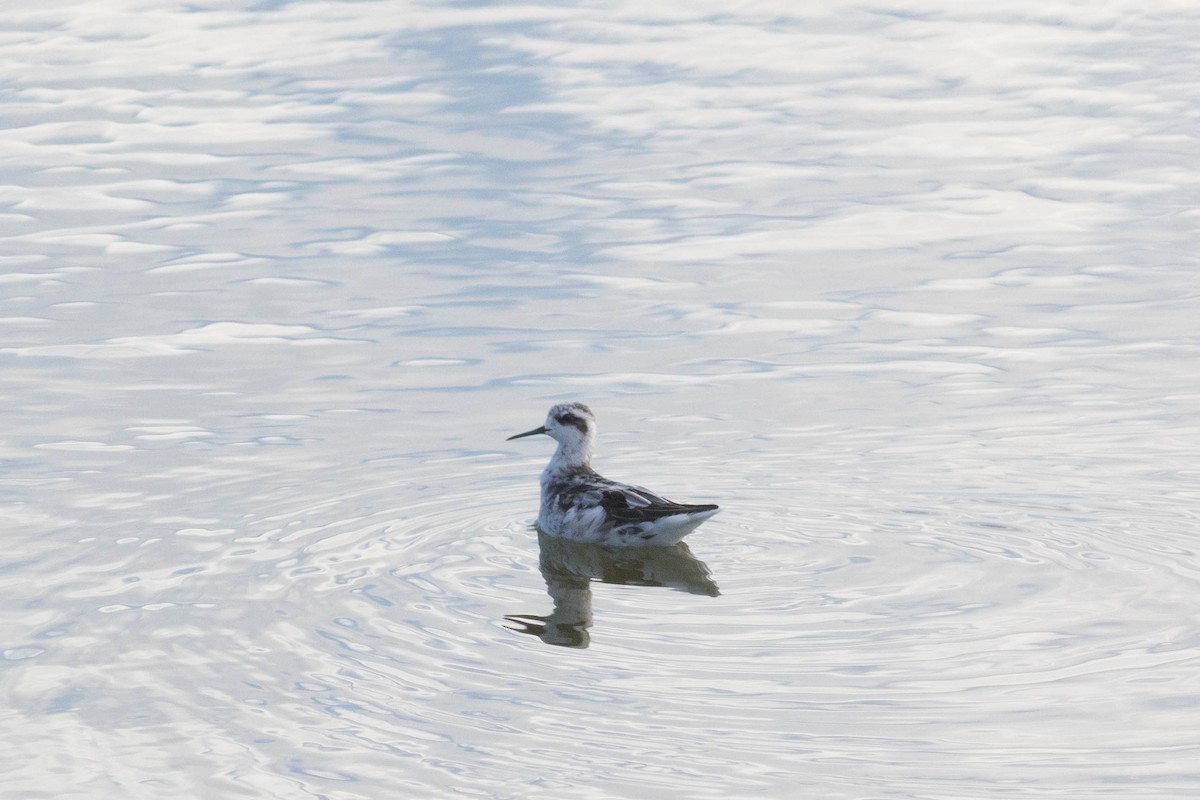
[(626, 504)]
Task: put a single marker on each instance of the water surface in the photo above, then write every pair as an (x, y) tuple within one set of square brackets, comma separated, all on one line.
[(909, 290)]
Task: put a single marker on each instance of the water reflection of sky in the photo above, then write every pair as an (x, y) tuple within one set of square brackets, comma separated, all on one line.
[(908, 288)]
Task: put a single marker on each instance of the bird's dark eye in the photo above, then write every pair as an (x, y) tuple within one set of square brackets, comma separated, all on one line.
[(571, 419)]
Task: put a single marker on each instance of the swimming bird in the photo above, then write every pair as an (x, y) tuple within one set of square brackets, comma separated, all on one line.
[(581, 505)]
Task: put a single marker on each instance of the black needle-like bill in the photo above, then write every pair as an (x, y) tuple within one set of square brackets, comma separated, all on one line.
[(533, 432)]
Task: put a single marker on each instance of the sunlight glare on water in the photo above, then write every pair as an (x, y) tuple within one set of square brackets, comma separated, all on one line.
[(909, 289)]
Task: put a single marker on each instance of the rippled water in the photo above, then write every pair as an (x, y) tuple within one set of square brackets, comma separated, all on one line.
[(909, 289)]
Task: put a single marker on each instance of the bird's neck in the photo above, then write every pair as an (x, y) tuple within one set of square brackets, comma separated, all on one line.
[(572, 455)]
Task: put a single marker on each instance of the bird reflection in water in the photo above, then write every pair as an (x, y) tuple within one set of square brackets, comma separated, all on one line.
[(569, 568)]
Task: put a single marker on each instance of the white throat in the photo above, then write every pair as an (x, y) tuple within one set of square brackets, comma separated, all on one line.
[(572, 453)]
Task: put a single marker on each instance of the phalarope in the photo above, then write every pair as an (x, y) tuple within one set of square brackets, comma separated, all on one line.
[(579, 504)]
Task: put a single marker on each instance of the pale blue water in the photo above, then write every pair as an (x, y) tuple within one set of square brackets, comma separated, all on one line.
[(909, 289)]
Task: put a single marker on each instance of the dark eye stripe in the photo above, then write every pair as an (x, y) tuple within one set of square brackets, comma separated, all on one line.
[(571, 419)]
